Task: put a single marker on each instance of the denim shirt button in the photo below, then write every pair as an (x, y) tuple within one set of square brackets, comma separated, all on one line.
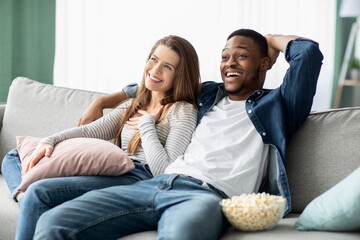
[(250, 111), (264, 134), (200, 104), (249, 101)]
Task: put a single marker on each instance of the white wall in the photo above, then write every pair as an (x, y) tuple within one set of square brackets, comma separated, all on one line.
[(102, 45)]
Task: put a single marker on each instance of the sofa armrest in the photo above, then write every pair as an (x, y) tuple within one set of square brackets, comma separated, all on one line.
[(2, 110)]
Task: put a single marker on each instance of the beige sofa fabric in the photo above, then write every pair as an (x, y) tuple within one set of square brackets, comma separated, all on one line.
[(8, 212), (38, 110), (323, 152)]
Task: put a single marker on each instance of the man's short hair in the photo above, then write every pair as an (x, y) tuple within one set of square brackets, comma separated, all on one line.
[(257, 37)]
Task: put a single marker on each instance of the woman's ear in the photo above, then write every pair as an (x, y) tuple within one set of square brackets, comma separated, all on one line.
[(266, 64)]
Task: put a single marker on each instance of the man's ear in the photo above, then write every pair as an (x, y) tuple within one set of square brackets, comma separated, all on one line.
[(266, 64)]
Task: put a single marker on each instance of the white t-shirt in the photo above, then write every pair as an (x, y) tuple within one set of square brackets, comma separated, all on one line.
[(225, 150)]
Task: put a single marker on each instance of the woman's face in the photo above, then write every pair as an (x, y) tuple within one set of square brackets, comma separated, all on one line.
[(160, 69)]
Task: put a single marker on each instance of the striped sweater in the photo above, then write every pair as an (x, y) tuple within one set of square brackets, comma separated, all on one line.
[(160, 144)]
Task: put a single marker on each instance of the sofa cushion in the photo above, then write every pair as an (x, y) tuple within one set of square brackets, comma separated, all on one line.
[(74, 157), (321, 154), (39, 110), (338, 209), (283, 231)]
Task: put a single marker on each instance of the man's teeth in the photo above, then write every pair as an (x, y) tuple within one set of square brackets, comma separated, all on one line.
[(156, 80), (231, 74)]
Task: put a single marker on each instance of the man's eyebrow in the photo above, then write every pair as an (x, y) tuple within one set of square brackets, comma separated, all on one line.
[(165, 62), (241, 47)]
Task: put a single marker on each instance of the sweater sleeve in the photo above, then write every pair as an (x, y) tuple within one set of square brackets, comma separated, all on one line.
[(104, 128), (182, 119)]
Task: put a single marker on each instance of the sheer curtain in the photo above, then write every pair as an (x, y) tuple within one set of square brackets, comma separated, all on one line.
[(102, 45)]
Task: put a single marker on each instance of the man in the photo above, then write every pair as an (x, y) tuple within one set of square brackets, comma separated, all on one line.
[(238, 147)]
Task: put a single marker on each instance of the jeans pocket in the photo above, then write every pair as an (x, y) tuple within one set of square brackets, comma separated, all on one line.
[(214, 190)]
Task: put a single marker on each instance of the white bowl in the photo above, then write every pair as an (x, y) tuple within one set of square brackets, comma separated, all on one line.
[(254, 212)]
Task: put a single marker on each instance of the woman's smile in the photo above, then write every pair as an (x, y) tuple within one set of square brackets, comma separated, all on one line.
[(154, 79)]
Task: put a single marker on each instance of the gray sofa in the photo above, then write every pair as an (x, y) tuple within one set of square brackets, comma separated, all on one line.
[(323, 152)]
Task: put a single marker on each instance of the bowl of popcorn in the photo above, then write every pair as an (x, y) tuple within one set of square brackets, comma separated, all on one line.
[(254, 212)]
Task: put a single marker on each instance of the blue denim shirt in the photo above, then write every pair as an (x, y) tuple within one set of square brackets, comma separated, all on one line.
[(276, 114)]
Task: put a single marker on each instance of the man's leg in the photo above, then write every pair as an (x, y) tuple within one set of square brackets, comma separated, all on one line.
[(194, 212), (106, 213), (48, 193)]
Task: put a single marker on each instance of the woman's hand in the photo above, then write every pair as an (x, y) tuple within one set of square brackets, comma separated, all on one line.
[(134, 121), (42, 149)]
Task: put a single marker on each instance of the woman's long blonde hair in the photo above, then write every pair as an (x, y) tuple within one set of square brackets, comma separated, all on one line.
[(186, 86)]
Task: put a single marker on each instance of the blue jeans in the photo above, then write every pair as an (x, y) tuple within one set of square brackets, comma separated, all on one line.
[(48, 193), (11, 171), (178, 207)]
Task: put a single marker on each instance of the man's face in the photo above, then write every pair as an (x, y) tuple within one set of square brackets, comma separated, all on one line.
[(240, 67)]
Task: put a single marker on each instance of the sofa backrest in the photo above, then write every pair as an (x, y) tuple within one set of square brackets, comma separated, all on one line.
[(37, 109), (322, 152)]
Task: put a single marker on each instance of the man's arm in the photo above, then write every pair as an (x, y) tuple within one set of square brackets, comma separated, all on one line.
[(277, 44), (299, 84), (95, 109)]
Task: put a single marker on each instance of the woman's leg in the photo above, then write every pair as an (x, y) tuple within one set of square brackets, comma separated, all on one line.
[(48, 193), (11, 170)]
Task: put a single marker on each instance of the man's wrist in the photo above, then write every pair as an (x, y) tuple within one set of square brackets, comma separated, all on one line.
[(279, 42), (98, 102)]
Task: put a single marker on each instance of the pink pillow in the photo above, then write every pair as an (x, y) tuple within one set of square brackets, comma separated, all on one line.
[(74, 157)]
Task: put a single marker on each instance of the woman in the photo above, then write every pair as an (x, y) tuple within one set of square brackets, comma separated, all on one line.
[(153, 129)]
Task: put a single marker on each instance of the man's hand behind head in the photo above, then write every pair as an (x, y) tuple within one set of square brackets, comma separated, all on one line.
[(272, 52), (277, 43)]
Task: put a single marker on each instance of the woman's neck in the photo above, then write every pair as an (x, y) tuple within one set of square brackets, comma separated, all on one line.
[(155, 102)]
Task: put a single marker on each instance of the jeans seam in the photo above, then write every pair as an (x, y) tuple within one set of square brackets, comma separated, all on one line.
[(14, 154), (165, 218), (106, 218), (147, 171)]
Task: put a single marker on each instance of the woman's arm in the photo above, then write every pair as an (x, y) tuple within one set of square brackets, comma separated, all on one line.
[(182, 118), (104, 128)]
